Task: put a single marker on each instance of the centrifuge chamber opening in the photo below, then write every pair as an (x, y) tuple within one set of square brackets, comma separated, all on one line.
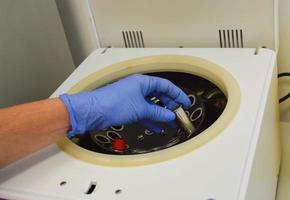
[(215, 98)]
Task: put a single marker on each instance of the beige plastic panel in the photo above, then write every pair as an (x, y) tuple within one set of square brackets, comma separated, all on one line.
[(188, 23), (283, 192), (174, 63), (284, 57)]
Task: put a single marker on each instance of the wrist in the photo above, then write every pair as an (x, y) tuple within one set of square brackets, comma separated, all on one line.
[(74, 129), (84, 114)]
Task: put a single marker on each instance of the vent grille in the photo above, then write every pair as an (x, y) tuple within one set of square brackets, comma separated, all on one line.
[(233, 38), (133, 39)]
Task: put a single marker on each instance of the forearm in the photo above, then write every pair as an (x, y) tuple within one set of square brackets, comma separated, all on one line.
[(29, 127)]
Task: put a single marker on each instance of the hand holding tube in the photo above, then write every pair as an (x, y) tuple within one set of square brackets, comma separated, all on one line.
[(123, 102)]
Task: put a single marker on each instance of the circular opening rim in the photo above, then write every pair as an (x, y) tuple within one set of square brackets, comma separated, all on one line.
[(200, 67)]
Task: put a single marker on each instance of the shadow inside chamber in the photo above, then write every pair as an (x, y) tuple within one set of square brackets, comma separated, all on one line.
[(209, 103)]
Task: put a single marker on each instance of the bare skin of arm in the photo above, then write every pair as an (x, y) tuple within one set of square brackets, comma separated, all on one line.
[(29, 127)]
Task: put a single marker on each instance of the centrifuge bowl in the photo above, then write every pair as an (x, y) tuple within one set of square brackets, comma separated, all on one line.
[(161, 63)]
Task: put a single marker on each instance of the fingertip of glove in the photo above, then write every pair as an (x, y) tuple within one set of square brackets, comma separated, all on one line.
[(186, 102), (187, 106), (170, 116)]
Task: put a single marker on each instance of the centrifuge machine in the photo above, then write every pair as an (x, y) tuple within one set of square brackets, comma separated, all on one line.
[(234, 152)]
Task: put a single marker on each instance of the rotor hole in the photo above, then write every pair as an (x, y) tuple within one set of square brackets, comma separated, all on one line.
[(148, 132), (196, 114), (192, 99), (113, 135), (102, 139), (118, 128)]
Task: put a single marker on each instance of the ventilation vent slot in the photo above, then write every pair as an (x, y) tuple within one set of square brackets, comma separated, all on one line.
[(231, 38), (133, 39)]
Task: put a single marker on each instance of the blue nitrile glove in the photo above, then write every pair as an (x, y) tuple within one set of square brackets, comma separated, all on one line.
[(123, 102)]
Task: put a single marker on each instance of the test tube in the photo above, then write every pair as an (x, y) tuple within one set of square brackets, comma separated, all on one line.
[(184, 121)]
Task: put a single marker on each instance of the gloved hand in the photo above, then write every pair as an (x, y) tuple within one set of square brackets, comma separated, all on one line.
[(123, 102)]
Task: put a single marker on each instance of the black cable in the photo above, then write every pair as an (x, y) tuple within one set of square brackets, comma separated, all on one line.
[(284, 98), (284, 74)]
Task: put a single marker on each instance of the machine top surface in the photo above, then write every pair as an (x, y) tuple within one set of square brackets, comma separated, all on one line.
[(222, 159)]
